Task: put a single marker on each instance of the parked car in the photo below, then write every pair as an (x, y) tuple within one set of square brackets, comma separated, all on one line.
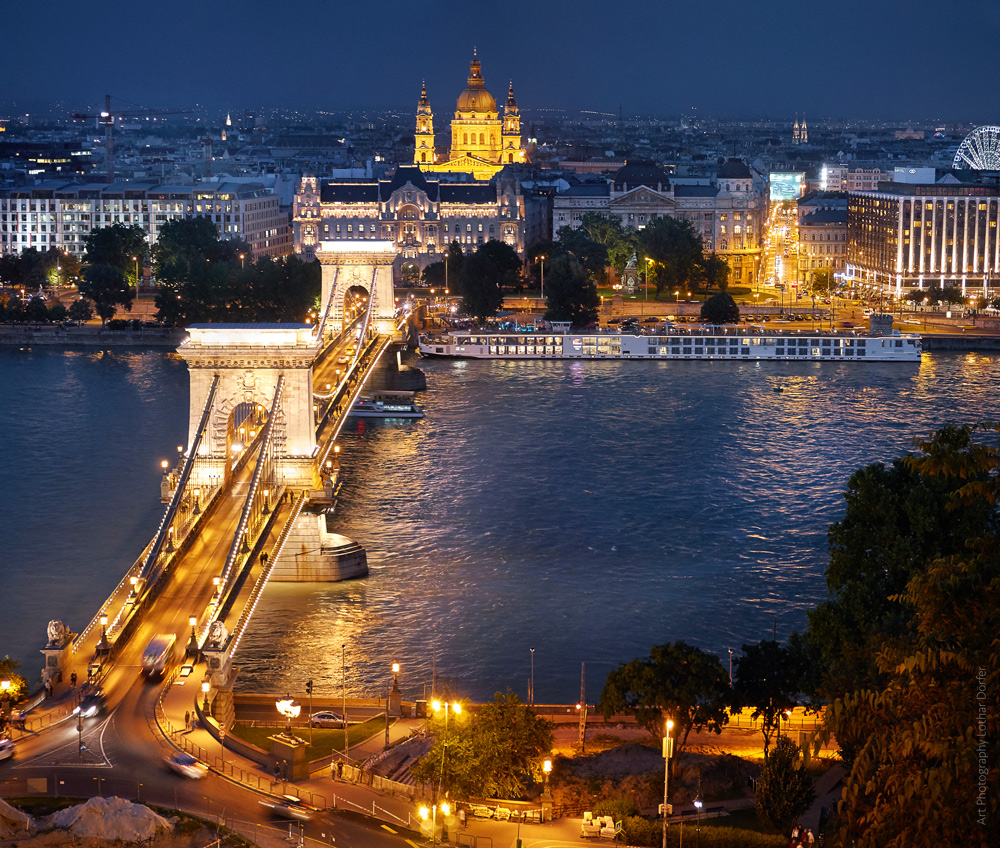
[(326, 718), (186, 766), (289, 807), (6, 749)]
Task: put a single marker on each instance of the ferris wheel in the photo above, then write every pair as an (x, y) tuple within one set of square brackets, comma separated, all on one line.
[(980, 151)]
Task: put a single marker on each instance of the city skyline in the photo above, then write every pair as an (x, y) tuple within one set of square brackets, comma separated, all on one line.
[(727, 60)]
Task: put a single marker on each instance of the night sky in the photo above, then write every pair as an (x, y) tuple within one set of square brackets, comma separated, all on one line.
[(869, 59)]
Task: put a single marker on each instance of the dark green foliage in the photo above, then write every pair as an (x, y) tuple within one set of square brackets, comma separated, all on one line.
[(618, 808), (495, 753), (720, 309), (895, 522), (37, 310), (676, 681), (641, 831), (715, 272), (115, 246), (33, 269), (619, 242), (676, 250), (57, 312), (823, 281), (106, 286), (591, 255), (767, 679), (81, 310), (784, 788), (481, 281), (203, 279), (570, 296), (9, 671), (923, 769), (935, 294)]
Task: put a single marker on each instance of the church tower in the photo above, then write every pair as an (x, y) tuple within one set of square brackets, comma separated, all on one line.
[(511, 151), (803, 132), (795, 131), (423, 137)]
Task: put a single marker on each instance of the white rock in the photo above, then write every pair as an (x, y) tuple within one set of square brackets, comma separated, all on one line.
[(110, 819)]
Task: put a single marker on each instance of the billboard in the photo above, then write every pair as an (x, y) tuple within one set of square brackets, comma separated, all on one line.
[(787, 185)]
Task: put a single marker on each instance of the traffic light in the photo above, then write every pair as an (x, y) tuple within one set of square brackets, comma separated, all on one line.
[(309, 687)]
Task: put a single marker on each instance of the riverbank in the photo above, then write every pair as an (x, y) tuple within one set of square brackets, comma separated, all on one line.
[(88, 335)]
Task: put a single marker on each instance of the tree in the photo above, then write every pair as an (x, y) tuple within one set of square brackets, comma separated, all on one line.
[(676, 251), (767, 680), (592, 255), (896, 520), (38, 310), (715, 272), (720, 309), (676, 681), (115, 246), (505, 260), (481, 282), (925, 772), (570, 296), (784, 789), (106, 287), (81, 310), (494, 753), (9, 671), (619, 242), (823, 281), (433, 275), (186, 245)]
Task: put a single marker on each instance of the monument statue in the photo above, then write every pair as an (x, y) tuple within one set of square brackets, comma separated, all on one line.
[(217, 633), (58, 632)]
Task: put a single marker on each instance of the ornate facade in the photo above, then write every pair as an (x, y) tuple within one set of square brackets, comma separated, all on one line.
[(482, 141), (418, 215), (728, 214)]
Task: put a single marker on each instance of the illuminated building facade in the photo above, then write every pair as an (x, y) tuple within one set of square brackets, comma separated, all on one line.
[(482, 141), (62, 215), (728, 213), (420, 215), (907, 236)]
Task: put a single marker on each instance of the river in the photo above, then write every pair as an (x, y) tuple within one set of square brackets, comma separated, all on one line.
[(587, 510)]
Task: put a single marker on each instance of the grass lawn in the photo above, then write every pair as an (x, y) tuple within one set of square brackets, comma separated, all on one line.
[(324, 739)]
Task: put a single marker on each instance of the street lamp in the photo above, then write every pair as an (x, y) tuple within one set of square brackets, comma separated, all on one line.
[(289, 709), (541, 260), (698, 806), (431, 813), (668, 750), (531, 688), (135, 259), (242, 263), (388, 694), (193, 647), (102, 645), (546, 794), (206, 687), (645, 294)]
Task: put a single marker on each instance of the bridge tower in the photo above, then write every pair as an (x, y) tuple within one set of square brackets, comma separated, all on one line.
[(249, 359), (365, 264)]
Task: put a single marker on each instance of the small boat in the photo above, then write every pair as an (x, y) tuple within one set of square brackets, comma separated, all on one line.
[(778, 389), (386, 405)]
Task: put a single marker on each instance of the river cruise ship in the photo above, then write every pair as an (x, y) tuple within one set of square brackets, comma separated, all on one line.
[(695, 343)]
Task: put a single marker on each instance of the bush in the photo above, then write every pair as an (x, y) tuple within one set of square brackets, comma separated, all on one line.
[(618, 808), (117, 324), (720, 309), (640, 831)]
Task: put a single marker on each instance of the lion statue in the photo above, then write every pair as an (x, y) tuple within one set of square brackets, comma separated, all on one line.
[(217, 633), (58, 632)]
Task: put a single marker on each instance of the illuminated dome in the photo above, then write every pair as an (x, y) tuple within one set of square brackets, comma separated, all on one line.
[(476, 98)]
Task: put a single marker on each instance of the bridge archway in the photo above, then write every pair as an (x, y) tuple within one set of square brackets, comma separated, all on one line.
[(358, 264), (249, 362)]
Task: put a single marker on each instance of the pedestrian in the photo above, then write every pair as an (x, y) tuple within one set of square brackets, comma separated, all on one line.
[(48, 688), (72, 680), (340, 769), (277, 771), (187, 721), (809, 838)]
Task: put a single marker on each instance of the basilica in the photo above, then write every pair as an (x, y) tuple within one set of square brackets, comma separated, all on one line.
[(482, 142)]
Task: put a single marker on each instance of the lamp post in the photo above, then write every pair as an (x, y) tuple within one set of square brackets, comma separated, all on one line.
[(668, 750), (546, 794), (431, 813), (531, 688), (289, 709), (135, 259), (242, 263), (102, 644), (645, 292), (388, 694), (698, 806), (206, 687), (437, 706), (541, 260), (193, 645), (343, 675), (730, 666)]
